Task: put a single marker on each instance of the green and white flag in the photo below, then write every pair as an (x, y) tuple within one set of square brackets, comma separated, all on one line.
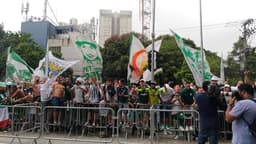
[(92, 59), (193, 58), (16, 68)]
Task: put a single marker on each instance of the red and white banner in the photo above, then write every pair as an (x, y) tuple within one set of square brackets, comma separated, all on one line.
[(4, 117)]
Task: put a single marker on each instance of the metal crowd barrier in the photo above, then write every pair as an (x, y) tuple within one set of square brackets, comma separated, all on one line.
[(24, 122), (73, 125), (139, 124), (131, 123)]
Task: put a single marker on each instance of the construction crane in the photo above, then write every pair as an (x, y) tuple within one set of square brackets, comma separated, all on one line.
[(145, 17)]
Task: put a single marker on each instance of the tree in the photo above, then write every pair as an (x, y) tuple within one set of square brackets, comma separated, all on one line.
[(233, 72), (116, 56), (23, 45)]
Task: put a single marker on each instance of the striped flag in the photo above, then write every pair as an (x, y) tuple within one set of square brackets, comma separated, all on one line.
[(4, 117), (193, 58), (16, 68)]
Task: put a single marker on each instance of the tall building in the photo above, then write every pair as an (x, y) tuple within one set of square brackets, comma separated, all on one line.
[(113, 24), (61, 38)]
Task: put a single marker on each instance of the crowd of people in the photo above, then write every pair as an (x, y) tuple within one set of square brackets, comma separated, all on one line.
[(81, 92)]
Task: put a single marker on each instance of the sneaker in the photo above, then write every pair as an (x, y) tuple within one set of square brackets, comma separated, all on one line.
[(176, 137), (165, 132), (186, 128), (162, 127), (190, 128), (181, 128)]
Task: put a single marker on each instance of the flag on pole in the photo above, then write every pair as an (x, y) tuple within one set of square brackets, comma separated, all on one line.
[(92, 59), (147, 76), (56, 65), (16, 68), (193, 58), (4, 117), (138, 60), (157, 46)]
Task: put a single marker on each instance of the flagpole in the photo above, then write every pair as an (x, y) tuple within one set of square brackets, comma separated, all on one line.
[(201, 37), (47, 60), (153, 41)]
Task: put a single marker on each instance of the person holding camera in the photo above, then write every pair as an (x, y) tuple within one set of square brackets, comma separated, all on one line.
[(240, 111)]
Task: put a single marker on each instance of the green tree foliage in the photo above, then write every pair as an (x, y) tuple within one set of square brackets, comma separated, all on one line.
[(116, 56), (23, 45), (233, 72)]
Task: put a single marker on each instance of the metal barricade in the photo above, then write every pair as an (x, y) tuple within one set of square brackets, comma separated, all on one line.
[(25, 122), (153, 131), (225, 127), (76, 125)]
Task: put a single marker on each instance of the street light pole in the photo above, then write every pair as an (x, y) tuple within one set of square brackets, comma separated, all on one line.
[(201, 37), (153, 41)]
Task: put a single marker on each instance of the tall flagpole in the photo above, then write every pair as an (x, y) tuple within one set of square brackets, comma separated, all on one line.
[(201, 37), (47, 61), (153, 41)]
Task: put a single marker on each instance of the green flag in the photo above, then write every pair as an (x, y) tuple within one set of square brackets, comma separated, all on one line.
[(193, 58), (16, 68), (92, 60)]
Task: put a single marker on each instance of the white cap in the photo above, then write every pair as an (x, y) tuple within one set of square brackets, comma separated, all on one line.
[(226, 85), (214, 78)]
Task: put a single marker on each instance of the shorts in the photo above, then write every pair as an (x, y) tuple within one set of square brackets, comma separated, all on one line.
[(56, 101)]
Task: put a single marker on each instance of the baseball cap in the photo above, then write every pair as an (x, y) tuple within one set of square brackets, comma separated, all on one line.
[(142, 80), (214, 78)]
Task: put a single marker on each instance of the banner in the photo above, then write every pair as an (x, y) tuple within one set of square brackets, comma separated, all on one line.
[(138, 60), (56, 66), (193, 58), (4, 117), (92, 59), (16, 68)]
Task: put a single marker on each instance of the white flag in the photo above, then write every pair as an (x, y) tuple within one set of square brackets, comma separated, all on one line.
[(138, 60), (157, 46), (57, 66)]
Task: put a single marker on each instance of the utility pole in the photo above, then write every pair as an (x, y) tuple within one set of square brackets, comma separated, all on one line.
[(201, 37), (248, 29), (153, 41)]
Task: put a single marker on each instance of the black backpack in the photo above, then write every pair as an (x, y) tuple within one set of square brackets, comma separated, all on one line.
[(252, 126)]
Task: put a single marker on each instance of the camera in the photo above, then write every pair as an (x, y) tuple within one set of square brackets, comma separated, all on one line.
[(236, 95)]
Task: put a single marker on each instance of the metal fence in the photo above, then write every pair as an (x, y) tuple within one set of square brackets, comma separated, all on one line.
[(103, 123), (143, 123), (25, 122)]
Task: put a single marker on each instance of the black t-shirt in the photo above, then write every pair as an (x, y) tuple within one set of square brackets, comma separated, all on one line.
[(122, 94), (207, 108)]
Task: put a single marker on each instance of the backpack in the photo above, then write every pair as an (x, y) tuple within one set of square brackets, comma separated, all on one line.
[(252, 126)]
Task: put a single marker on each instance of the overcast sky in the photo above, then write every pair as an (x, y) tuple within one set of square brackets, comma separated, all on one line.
[(221, 18)]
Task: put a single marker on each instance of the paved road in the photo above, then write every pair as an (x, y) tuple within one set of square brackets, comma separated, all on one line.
[(115, 141)]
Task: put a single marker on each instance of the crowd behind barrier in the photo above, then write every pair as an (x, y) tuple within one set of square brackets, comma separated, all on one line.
[(30, 121), (89, 111)]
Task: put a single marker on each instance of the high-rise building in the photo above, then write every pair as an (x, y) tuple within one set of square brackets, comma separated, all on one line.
[(113, 24)]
